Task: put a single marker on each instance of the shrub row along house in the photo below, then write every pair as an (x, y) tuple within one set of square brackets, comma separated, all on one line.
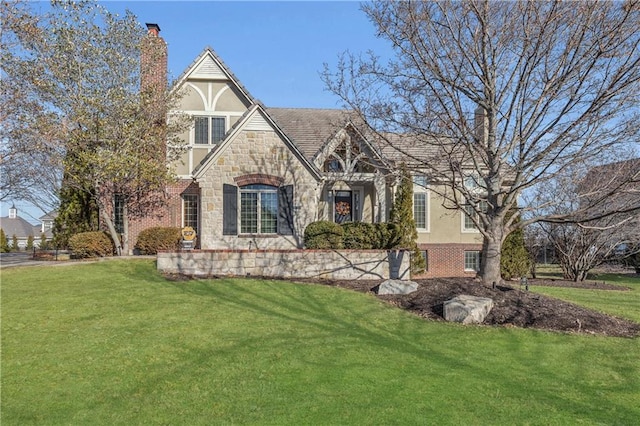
[(254, 177)]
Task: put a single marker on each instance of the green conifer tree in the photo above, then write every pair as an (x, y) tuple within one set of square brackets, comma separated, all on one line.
[(14, 243), (402, 216), (4, 243), (29, 245), (515, 260), (78, 212), (44, 244)]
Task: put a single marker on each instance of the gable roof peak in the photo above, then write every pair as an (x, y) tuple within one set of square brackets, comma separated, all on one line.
[(209, 65)]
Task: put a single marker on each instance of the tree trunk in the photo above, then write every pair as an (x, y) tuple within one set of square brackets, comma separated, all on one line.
[(491, 252), (112, 231)]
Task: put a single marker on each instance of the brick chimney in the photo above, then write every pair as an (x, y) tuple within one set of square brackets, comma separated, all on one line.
[(153, 84), (153, 61), (481, 124)]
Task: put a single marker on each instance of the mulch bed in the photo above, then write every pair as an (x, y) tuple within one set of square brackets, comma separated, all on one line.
[(513, 305)]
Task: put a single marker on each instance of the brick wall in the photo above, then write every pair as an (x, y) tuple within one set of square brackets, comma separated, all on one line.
[(447, 260)]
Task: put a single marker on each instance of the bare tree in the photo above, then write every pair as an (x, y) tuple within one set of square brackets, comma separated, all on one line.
[(600, 237), (495, 98), (80, 67), (30, 169)]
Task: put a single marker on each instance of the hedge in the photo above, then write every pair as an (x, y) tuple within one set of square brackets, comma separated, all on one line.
[(91, 244), (151, 240), (323, 235)]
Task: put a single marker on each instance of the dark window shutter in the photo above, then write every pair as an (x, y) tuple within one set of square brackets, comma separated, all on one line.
[(229, 210), (285, 210)]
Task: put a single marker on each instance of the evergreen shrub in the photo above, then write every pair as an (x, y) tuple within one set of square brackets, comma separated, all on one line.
[(387, 235), (4, 243), (91, 244), (151, 240), (359, 236), (323, 234)]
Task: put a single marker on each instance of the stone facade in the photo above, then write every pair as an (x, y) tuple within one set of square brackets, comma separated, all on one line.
[(255, 152), (320, 264)]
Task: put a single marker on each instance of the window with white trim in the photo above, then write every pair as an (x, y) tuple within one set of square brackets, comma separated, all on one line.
[(209, 130), (420, 202), (472, 260), (258, 209), (469, 213)]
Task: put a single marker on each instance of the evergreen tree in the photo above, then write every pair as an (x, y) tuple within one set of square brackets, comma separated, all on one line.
[(29, 243), (14, 243), (515, 260), (402, 216), (44, 244), (78, 212), (4, 243)]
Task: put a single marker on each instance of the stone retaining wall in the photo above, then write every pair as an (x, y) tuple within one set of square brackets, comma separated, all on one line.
[(323, 264)]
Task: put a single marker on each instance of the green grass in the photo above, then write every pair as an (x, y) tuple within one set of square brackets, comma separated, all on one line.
[(624, 304), (115, 343)]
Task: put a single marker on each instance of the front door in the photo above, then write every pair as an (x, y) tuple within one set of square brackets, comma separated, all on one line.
[(343, 207)]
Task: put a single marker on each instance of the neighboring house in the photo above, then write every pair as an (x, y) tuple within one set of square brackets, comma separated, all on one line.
[(22, 229), (254, 177)]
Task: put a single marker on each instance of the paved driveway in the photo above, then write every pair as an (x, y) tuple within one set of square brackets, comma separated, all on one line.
[(22, 258)]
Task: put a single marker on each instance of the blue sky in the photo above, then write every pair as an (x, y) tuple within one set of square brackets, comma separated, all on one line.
[(276, 49)]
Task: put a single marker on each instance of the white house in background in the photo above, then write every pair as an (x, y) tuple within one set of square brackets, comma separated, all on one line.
[(22, 229)]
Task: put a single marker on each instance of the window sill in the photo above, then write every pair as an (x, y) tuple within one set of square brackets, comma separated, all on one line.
[(258, 235)]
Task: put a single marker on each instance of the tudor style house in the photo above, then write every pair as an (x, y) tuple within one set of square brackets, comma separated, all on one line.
[(254, 177)]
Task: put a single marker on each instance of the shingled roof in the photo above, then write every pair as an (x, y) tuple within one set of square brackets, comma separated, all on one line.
[(309, 128), (19, 227)]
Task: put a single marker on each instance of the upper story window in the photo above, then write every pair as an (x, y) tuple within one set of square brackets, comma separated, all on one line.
[(209, 130)]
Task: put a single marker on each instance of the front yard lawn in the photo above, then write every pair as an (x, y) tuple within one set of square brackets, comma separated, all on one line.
[(117, 343)]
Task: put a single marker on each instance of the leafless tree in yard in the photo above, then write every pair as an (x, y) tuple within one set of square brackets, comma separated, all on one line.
[(73, 77), (604, 237), (494, 99), (30, 166)]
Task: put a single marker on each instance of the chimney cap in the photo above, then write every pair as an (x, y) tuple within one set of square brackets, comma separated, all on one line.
[(153, 27)]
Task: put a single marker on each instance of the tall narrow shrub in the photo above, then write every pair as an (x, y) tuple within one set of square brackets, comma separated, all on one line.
[(402, 216), (515, 260), (4, 243)]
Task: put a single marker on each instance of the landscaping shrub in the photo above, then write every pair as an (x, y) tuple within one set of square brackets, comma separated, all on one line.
[(4, 243), (323, 235), (359, 235), (90, 244), (158, 238), (387, 235)]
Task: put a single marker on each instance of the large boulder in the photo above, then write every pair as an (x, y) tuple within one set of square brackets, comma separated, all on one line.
[(467, 309), (397, 287)]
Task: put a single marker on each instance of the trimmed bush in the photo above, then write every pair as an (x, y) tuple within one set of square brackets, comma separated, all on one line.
[(323, 235), (157, 238), (359, 235), (90, 244)]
